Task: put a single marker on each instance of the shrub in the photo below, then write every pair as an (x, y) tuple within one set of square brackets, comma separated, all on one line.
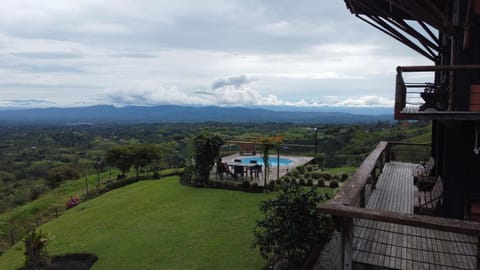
[(72, 202), (321, 182), (36, 190), (121, 183), (301, 169), (286, 178), (156, 175), (271, 185), (187, 175), (245, 185), (307, 175), (36, 255), (315, 175), (333, 184), (343, 177), (326, 176), (309, 182), (58, 174), (301, 182), (295, 173), (309, 168), (290, 227)]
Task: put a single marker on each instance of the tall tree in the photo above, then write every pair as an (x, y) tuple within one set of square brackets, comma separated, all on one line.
[(206, 149)]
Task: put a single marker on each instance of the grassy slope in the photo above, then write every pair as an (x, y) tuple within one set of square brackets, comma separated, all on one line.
[(158, 225), (43, 209)]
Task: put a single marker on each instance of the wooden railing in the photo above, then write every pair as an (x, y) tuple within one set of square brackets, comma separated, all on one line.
[(350, 202), (437, 96)]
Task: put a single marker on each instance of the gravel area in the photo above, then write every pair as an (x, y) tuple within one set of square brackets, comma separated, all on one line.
[(330, 257)]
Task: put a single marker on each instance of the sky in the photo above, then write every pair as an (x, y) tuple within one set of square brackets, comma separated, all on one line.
[(56, 53)]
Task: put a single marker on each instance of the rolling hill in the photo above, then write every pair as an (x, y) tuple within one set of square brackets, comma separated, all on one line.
[(174, 113)]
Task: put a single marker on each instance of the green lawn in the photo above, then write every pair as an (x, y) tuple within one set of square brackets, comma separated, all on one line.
[(158, 225), (349, 170)]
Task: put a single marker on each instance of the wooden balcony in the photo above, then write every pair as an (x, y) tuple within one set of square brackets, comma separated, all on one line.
[(379, 229), (438, 99)]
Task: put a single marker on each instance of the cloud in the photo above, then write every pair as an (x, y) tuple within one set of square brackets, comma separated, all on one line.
[(231, 95), (231, 81), (48, 55), (366, 101), (147, 52), (26, 103)]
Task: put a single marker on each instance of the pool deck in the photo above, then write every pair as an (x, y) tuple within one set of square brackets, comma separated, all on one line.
[(297, 161)]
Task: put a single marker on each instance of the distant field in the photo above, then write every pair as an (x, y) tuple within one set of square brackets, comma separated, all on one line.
[(158, 225)]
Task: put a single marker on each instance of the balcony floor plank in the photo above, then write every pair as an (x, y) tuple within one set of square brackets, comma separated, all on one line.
[(406, 247)]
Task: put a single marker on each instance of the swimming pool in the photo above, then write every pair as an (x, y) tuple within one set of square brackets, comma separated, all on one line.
[(271, 160)]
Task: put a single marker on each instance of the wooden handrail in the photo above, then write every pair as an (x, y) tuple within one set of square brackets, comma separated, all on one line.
[(351, 190), (429, 222), (408, 143)]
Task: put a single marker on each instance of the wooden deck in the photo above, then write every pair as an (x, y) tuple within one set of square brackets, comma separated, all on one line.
[(397, 246)]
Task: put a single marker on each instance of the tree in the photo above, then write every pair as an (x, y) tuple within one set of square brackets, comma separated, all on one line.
[(58, 174), (268, 144), (291, 226), (136, 155), (143, 154), (206, 148), (119, 157)]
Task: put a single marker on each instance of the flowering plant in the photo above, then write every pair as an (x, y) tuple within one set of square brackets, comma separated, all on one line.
[(72, 202)]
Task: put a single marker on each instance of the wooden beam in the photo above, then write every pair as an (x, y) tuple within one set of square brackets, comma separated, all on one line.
[(429, 222), (436, 68)]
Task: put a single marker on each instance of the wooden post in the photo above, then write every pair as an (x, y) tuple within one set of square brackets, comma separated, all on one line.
[(278, 162), (386, 153), (362, 198), (12, 236), (478, 252), (347, 243), (86, 184)]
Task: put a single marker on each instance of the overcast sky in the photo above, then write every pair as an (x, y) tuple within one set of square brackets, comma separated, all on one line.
[(225, 52)]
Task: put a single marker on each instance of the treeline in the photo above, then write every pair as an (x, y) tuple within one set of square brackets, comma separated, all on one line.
[(35, 159)]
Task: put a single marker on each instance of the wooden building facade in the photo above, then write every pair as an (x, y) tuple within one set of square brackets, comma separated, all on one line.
[(447, 32)]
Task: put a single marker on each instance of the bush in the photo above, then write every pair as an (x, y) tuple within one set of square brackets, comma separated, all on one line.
[(286, 178), (187, 175), (326, 176), (295, 173), (121, 183), (343, 177), (309, 182), (36, 255), (301, 182), (307, 175), (333, 184), (309, 168), (315, 175), (36, 190), (291, 227), (245, 185), (58, 174), (301, 169), (270, 185), (321, 182), (156, 175)]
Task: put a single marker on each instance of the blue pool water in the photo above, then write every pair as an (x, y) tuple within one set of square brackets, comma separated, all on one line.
[(271, 160)]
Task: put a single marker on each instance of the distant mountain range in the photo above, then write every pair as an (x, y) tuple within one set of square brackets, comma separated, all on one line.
[(172, 113)]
